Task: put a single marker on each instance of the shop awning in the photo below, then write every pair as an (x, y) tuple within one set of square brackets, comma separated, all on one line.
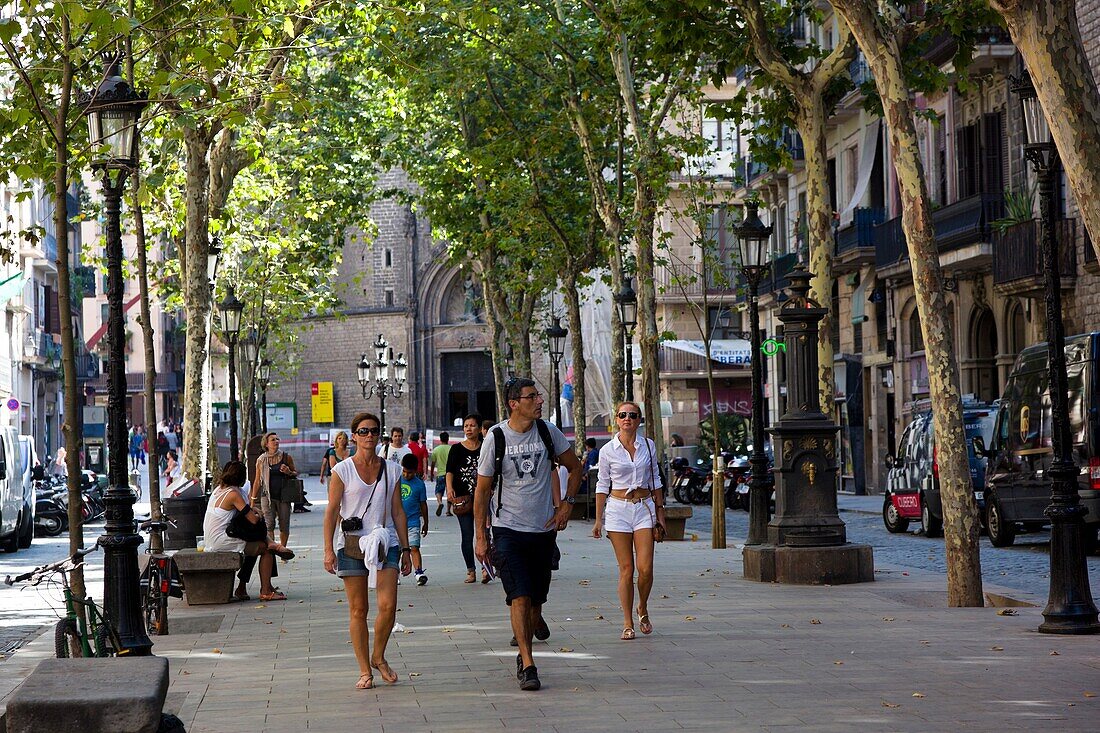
[(12, 287), (102, 330), (724, 351)]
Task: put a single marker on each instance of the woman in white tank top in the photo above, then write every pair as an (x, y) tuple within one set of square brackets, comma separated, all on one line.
[(226, 500), (362, 491)]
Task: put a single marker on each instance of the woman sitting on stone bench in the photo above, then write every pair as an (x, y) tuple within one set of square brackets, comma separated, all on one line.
[(227, 499)]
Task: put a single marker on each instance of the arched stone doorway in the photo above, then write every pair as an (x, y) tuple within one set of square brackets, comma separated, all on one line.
[(985, 381)]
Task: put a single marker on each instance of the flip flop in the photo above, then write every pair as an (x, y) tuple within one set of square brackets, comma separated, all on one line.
[(384, 667), (628, 634), (645, 624), (366, 682), (276, 596)]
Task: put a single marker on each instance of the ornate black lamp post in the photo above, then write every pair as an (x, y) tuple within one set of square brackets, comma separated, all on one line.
[(113, 110), (231, 309), (627, 301), (555, 337), (510, 361), (752, 238), (375, 377), (263, 377), (250, 352), (1070, 608)]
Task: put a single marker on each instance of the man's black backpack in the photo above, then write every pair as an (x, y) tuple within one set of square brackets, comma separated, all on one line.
[(498, 440)]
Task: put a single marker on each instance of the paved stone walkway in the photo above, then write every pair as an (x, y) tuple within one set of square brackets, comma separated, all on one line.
[(727, 654)]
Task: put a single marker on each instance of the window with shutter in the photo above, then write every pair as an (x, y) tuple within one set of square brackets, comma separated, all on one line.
[(53, 312), (993, 168)]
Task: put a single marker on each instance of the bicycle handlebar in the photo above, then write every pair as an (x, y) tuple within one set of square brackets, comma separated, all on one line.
[(52, 567)]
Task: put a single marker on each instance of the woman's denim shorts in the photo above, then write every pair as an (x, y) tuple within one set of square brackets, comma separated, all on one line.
[(347, 567)]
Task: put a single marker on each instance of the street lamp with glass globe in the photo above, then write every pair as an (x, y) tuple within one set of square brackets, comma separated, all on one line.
[(375, 377), (627, 300), (555, 338), (113, 110), (263, 378), (250, 352), (1070, 608), (231, 309), (752, 240)]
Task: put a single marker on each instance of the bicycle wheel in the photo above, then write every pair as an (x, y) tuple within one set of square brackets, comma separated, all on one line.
[(66, 639), (155, 604)]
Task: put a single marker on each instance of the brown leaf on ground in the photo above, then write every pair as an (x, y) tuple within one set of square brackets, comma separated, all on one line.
[(815, 622), (887, 618), (414, 674), (217, 651), (838, 662), (448, 630), (918, 694), (785, 626), (689, 618), (996, 648), (1007, 612), (664, 596), (565, 650), (890, 704), (1090, 694), (599, 618), (1054, 653)]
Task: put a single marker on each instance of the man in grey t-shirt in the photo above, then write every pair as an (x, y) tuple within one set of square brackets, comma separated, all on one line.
[(524, 518)]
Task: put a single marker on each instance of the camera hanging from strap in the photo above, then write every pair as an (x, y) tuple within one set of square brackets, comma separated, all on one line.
[(498, 456)]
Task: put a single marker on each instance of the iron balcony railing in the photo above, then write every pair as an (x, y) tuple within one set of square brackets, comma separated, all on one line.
[(957, 225), (861, 232), (859, 70), (1016, 251)]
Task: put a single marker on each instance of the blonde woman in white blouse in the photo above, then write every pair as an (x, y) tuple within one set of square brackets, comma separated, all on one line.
[(629, 503)]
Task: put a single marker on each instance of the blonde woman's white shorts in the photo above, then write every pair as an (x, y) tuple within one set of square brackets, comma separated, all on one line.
[(626, 516)]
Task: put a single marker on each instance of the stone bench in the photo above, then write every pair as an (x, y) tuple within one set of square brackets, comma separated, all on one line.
[(208, 577), (675, 517), (90, 696)]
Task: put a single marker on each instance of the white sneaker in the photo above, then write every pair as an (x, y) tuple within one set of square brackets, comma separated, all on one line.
[(421, 578)]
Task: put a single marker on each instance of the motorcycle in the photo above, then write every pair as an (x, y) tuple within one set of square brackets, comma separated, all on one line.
[(687, 486), (51, 508)]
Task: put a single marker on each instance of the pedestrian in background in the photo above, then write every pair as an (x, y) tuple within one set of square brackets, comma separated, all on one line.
[(630, 502), (364, 503), (414, 499), (524, 520), (337, 452), (395, 449), (461, 480), (437, 469), (274, 469), (171, 469), (417, 449), (486, 426)]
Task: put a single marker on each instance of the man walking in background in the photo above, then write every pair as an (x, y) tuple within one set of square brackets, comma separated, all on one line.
[(437, 469)]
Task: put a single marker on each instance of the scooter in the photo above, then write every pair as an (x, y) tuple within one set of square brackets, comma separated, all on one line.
[(687, 486), (51, 508)]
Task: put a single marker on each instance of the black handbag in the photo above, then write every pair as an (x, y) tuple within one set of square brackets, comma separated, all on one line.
[(241, 528)]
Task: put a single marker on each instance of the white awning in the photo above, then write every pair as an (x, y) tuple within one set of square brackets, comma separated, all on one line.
[(724, 351)]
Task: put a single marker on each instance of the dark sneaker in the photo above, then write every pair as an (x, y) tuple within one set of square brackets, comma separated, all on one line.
[(513, 642), (529, 679), (542, 631), (439, 509)]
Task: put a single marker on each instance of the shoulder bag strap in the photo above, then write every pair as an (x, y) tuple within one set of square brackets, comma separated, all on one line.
[(548, 441), (498, 460)]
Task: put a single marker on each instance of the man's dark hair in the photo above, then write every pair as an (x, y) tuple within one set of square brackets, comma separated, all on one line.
[(590, 442), (409, 462), (487, 424), (397, 430), (514, 388), (444, 437), (414, 436)]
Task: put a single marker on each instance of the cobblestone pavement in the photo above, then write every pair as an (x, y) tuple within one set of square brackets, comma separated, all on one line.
[(1024, 567)]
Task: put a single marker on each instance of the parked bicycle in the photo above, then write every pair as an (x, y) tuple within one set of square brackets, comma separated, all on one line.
[(159, 581), (91, 634)]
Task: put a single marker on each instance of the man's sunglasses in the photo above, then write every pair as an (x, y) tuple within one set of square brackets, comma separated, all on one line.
[(368, 431), (631, 415)]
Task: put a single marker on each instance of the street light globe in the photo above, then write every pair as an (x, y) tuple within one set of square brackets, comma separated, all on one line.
[(364, 371), (627, 300), (213, 256), (263, 373), (400, 368), (555, 337), (250, 347), (113, 110), (231, 310), (752, 240), (381, 347)]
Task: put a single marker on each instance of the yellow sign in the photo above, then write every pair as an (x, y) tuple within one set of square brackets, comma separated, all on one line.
[(323, 403)]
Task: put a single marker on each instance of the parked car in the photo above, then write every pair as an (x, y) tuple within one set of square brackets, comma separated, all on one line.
[(913, 481), (29, 457), (1019, 453), (11, 488)]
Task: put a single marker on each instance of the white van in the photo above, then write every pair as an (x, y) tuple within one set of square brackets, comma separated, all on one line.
[(30, 494), (11, 488)]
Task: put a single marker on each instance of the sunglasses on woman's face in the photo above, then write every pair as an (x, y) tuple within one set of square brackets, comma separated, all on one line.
[(629, 415), (368, 431)]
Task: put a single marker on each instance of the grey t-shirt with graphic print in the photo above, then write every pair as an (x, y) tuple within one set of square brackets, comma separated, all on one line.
[(527, 503)]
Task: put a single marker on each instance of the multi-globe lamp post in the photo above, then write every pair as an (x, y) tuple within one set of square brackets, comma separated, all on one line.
[(113, 110), (555, 338), (752, 241), (375, 377), (231, 309), (627, 301), (1070, 608)]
